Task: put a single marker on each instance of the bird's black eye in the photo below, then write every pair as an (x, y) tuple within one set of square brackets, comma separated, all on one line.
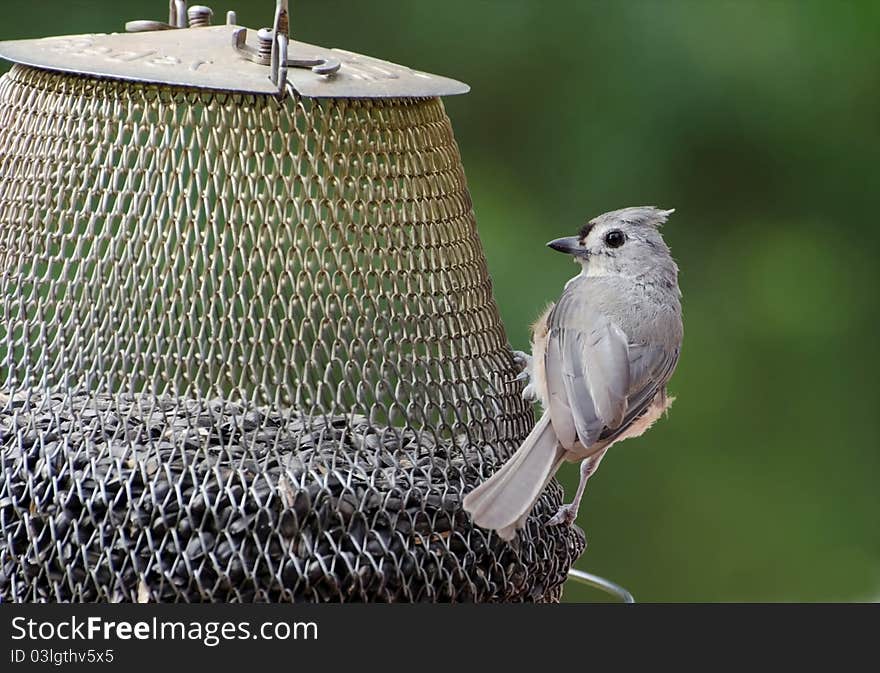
[(615, 238)]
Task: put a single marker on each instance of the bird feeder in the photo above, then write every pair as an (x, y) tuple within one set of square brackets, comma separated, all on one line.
[(249, 349)]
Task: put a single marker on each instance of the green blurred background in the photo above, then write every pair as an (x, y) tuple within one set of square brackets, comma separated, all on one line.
[(760, 123)]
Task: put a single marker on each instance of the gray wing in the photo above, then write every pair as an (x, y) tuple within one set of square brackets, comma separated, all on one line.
[(588, 375), (650, 369)]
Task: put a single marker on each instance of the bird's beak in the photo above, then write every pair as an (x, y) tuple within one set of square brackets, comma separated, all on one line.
[(570, 245)]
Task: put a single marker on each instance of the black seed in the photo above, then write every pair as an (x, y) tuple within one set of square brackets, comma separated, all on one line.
[(243, 491)]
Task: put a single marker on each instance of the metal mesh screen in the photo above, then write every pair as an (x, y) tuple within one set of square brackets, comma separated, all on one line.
[(248, 351)]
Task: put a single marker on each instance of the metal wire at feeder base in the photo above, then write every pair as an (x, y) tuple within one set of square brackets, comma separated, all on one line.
[(248, 344)]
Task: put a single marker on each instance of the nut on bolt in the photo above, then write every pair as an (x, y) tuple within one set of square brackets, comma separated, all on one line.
[(266, 37), (199, 15)]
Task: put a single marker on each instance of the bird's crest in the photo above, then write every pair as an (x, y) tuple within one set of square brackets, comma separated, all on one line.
[(636, 215)]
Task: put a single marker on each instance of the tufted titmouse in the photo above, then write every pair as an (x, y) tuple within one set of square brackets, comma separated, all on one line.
[(601, 357)]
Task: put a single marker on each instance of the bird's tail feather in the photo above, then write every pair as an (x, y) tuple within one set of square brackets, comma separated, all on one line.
[(503, 501)]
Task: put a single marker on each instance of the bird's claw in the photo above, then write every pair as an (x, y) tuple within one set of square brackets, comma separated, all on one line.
[(564, 516), (523, 361)]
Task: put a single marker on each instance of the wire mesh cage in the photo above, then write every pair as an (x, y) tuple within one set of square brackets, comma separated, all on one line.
[(248, 349)]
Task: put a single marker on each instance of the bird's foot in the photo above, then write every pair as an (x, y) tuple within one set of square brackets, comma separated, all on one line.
[(565, 516), (523, 361)]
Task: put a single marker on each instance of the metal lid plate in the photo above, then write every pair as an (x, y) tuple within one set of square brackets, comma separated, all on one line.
[(205, 57)]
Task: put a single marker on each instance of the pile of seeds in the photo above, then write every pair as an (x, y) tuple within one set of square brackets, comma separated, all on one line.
[(134, 498)]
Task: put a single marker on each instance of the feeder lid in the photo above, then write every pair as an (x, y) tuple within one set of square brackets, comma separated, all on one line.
[(228, 58)]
